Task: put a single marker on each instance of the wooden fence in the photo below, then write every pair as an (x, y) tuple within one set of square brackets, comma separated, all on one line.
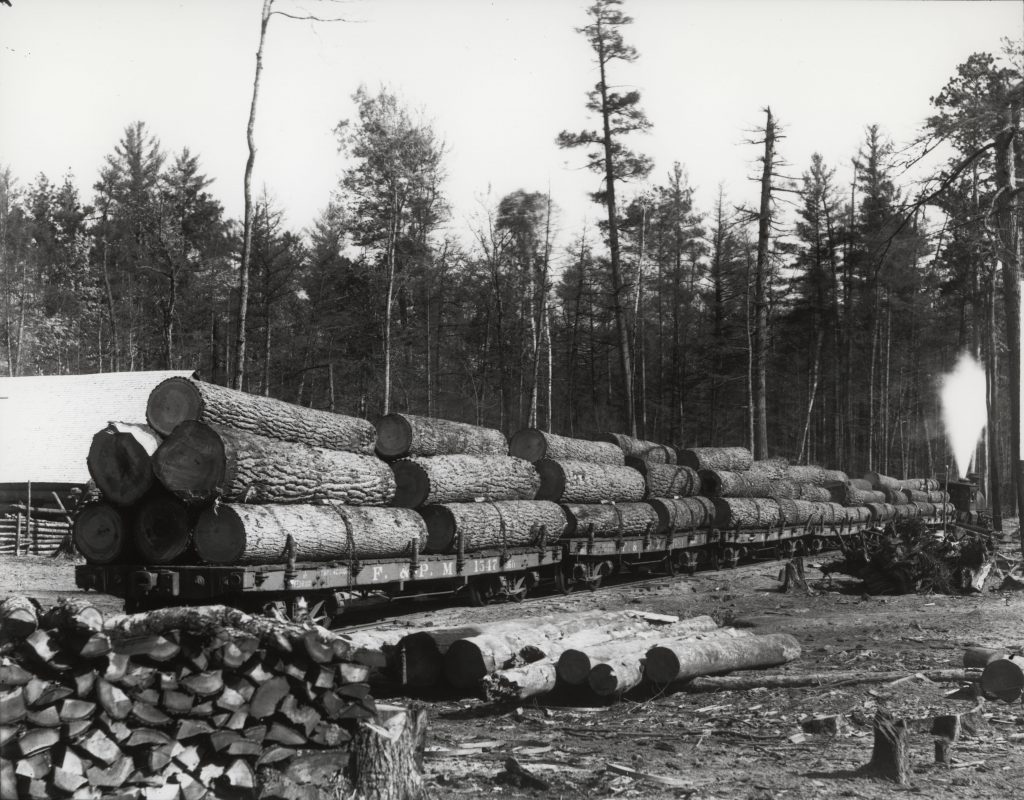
[(33, 525)]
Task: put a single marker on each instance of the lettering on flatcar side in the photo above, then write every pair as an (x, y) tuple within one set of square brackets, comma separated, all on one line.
[(448, 568), (403, 574), (485, 564), (378, 573)]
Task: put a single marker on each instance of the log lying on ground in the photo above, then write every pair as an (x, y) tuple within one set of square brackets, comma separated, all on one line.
[(533, 444), (721, 483), (732, 459), (673, 661), (503, 646), (683, 513), (162, 529), (604, 519), (248, 534), (638, 448), (511, 523), (578, 654), (403, 435), (746, 512), (770, 467), (119, 461), (460, 478), (178, 399), (581, 482), (739, 683), (666, 480), (101, 533), (199, 462)]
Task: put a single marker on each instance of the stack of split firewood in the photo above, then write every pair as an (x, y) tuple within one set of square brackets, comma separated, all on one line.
[(601, 652), (189, 703)]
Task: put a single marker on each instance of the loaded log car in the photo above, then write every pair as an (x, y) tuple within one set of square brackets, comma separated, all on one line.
[(249, 501)]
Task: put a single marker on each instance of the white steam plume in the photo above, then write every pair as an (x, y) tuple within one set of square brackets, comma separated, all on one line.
[(963, 409)]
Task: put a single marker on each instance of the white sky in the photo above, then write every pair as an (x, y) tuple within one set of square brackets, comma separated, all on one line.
[(499, 79)]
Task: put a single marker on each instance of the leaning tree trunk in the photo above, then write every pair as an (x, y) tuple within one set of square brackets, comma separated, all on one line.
[(533, 445), (402, 435), (176, 400), (666, 480), (605, 519), (481, 526), (580, 482), (460, 479), (100, 533), (674, 661), (246, 534), (638, 448), (746, 512), (733, 459), (199, 462), (684, 513), (119, 461)]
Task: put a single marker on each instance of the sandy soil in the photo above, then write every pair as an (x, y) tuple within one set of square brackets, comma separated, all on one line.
[(745, 744)]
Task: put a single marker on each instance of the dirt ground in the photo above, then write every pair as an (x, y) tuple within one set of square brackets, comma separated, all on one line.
[(742, 744)]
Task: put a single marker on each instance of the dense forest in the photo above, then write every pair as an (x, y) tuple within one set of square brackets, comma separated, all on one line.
[(815, 326)]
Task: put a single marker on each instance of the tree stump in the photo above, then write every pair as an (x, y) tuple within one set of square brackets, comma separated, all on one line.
[(388, 755), (890, 757)]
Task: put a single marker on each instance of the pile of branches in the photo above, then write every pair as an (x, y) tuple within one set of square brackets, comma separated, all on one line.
[(910, 559)]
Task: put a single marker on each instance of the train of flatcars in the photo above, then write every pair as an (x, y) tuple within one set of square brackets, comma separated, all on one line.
[(481, 576)]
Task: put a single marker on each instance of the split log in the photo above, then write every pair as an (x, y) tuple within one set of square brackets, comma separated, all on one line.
[(604, 519), (580, 482), (462, 478), (746, 512), (732, 459), (73, 616), (100, 533), (580, 653), (502, 646), (533, 444), (387, 755), (638, 448), (721, 483), (666, 480), (684, 513), (402, 435), (119, 461), (740, 683), (770, 467), (199, 462), (890, 756), (18, 617), (673, 661), (506, 523), (176, 400), (245, 534), (162, 529)]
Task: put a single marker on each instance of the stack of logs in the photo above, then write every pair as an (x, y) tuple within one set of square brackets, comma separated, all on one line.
[(190, 703), (33, 525)]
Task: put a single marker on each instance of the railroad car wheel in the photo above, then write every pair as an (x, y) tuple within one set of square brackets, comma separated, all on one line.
[(516, 589), (482, 591), (670, 564), (562, 582)]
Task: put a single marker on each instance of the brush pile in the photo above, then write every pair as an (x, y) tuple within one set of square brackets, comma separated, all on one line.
[(912, 559), (184, 703)]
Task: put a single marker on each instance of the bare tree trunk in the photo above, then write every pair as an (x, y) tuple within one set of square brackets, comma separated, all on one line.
[(243, 270), (992, 402), (760, 295), (388, 300), (812, 393)]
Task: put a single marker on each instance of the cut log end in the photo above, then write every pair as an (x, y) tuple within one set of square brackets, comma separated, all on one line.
[(191, 462), (528, 444), (219, 536), (99, 533), (441, 528), (120, 465), (394, 436), (173, 401), (413, 485), (161, 529)]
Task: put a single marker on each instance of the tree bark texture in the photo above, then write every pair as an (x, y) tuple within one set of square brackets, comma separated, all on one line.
[(178, 399), (666, 480), (879, 481), (816, 494), (684, 513), (741, 683), (849, 495), (248, 534), (402, 435), (890, 756), (806, 473), (674, 661), (638, 448), (721, 483), (387, 756), (100, 533), (482, 526), (774, 468), (746, 512), (199, 462), (582, 482), (532, 445), (881, 512), (733, 459), (605, 519), (461, 478), (119, 461), (519, 683), (801, 512)]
